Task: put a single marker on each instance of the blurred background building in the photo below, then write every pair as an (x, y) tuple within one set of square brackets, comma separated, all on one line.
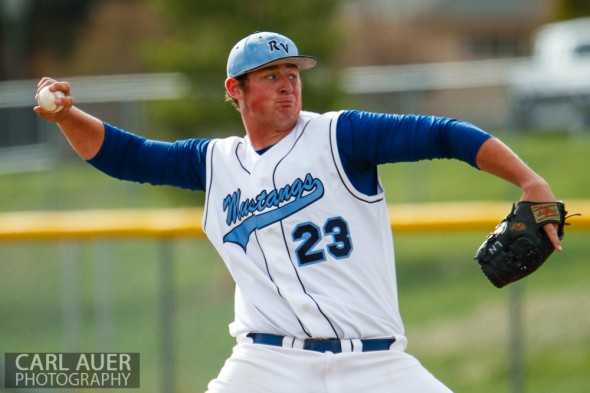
[(458, 58)]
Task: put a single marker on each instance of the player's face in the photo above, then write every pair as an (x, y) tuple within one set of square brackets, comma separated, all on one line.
[(272, 99)]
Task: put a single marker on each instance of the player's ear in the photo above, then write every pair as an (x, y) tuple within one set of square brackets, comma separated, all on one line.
[(233, 88)]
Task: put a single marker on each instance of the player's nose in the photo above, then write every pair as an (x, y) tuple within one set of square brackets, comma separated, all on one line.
[(286, 84)]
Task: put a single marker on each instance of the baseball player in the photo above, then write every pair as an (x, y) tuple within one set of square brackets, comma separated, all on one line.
[(296, 211)]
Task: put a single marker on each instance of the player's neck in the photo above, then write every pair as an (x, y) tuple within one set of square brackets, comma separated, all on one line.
[(263, 138)]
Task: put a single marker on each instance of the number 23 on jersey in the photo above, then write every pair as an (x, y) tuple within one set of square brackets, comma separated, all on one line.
[(309, 236)]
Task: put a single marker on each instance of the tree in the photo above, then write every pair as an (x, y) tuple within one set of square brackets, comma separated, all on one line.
[(201, 36), (569, 9), (33, 29)]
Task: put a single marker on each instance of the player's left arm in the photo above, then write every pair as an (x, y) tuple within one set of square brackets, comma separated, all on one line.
[(499, 160), (368, 139)]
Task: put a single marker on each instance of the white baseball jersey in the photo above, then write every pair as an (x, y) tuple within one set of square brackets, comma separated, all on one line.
[(310, 255)]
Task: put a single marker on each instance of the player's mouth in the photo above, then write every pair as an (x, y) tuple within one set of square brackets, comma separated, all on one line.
[(284, 102)]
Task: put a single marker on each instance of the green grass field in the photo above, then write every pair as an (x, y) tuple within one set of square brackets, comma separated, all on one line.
[(458, 325)]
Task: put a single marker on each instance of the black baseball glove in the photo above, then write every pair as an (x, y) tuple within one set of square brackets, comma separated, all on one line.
[(519, 245)]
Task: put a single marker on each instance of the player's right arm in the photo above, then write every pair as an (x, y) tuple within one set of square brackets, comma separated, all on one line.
[(124, 155), (84, 132)]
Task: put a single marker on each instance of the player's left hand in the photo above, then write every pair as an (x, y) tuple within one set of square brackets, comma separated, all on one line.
[(540, 192), (517, 247)]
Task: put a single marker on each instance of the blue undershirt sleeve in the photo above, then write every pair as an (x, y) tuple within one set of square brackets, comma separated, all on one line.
[(366, 140), (126, 156)]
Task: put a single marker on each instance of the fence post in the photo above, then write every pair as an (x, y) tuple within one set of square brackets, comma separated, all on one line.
[(71, 309), (516, 338), (104, 296), (167, 316)]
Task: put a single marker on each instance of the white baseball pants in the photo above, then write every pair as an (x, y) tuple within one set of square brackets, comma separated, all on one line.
[(255, 368)]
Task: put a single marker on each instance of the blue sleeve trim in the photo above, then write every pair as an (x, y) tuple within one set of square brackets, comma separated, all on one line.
[(126, 156), (366, 140)]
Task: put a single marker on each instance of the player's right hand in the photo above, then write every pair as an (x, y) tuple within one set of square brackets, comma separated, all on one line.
[(66, 102)]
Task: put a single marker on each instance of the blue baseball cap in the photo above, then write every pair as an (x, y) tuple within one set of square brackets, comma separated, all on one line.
[(263, 49)]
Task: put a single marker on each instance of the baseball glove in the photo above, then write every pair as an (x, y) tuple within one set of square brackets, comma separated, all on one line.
[(519, 245)]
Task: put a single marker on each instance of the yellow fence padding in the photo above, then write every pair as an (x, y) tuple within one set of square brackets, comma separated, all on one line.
[(186, 222)]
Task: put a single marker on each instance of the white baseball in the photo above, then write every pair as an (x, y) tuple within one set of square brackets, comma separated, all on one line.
[(47, 99)]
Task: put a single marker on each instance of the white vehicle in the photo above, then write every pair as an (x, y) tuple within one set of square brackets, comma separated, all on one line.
[(553, 91)]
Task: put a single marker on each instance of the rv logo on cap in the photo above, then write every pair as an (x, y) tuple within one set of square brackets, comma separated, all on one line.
[(274, 45)]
